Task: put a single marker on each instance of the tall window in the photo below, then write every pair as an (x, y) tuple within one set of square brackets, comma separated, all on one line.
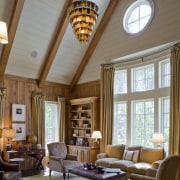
[(51, 122), (141, 102)]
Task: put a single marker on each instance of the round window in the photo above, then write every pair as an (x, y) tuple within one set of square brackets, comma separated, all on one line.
[(138, 16)]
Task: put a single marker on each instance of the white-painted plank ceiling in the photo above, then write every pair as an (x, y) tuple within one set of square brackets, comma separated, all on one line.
[(38, 24)]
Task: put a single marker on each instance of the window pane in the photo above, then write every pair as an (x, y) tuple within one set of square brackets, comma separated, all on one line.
[(134, 27), (164, 119), (143, 78), (143, 22), (120, 82), (51, 122), (120, 120), (145, 11), (143, 122), (164, 73), (134, 16)]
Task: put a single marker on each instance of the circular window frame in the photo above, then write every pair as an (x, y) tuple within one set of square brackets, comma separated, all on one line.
[(131, 8)]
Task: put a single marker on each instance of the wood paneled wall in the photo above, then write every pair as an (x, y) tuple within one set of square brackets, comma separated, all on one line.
[(18, 91), (86, 90)]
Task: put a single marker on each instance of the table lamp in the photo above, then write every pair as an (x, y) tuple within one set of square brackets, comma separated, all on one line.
[(96, 135), (157, 139), (8, 133)]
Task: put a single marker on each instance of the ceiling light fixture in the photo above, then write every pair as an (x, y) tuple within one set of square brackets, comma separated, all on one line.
[(3, 33), (82, 16)]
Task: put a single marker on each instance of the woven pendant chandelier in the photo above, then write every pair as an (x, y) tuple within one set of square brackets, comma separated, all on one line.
[(82, 16)]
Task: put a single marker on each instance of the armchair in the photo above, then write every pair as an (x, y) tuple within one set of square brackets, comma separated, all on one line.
[(59, 160), (168, 169), (9, 171)]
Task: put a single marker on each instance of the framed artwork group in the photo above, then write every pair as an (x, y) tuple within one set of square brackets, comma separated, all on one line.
[(18, 121)]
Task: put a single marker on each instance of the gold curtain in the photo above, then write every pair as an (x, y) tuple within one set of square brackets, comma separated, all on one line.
[(38, 117), (174, 133), (106, 102), (62, 118), (2, 102)]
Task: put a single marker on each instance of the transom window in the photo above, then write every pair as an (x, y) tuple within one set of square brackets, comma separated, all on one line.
[(121, 82), (138, 16), (143, 78)]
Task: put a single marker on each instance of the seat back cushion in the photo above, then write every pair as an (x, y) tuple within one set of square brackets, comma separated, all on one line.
[(115, 151), (150, 155), (57, 149)]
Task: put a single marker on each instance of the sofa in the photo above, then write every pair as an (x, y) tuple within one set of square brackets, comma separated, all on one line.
[(9, 171), (131, 159)]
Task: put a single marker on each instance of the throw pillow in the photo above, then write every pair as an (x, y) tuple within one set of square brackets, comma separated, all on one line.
[(131, 155)]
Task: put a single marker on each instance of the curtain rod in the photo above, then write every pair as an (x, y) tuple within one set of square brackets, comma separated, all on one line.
[(141, 57), (47, 94)]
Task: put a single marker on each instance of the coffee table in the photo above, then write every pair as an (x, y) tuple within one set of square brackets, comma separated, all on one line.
[(92, 174)]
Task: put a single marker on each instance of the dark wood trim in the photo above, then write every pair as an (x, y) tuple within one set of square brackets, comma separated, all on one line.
[(56, 40)]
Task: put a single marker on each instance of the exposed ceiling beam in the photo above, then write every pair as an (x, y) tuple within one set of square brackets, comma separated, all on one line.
[(15, 16), (92, 46), (56, 40)]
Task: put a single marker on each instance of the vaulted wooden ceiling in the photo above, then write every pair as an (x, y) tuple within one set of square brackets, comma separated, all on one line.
[(42, 45)]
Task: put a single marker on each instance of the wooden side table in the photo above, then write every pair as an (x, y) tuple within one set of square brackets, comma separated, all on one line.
[(16, 161), (18, 156)]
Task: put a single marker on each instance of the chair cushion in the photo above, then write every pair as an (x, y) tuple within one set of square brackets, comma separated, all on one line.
[(105, 161), (115, 151), (57, 149), (121, 164), (139, 168)]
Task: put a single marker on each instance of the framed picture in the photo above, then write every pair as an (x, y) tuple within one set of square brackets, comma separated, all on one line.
[(18, 112), (79, 141), (20, 129)]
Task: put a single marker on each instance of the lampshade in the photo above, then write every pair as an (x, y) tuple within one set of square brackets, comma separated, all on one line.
[(157, 138), (8, 133), (96, 135), (3, 33), (82, 16)]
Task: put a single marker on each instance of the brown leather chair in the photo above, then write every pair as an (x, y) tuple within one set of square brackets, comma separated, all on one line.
[(59, 160), (9, 171), (169, 169)]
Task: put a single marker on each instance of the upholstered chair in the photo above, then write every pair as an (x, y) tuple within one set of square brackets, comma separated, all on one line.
[(9, 171), (169, 169), (59, 160)]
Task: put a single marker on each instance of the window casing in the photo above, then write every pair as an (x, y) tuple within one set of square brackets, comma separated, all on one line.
[(146, 102)]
